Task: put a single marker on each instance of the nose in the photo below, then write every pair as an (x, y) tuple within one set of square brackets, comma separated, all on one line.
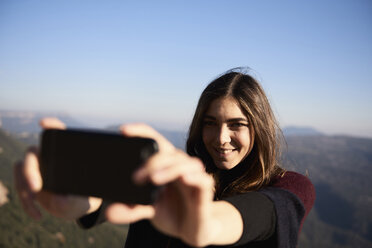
[(223, 135)]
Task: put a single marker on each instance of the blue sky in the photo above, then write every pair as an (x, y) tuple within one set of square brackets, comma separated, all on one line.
[(118, 61)]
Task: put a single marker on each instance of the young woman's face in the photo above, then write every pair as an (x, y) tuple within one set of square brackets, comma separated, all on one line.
[(226, 133)]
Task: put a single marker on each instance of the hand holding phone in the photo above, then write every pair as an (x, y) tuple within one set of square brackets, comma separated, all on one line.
[(92, 163)]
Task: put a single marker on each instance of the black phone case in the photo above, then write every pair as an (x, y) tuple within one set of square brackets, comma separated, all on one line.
[(94, 163)]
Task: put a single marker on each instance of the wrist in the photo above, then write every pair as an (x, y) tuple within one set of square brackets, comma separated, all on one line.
[(225, 224)]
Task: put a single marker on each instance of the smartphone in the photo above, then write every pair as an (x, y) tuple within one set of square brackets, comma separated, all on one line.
[(95, 163)]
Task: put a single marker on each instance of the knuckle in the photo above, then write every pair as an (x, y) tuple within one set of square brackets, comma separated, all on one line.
[(211, 181), (197, 163), (178, 152)]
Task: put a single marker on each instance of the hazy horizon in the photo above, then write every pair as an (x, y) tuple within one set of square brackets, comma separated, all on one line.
[(104, 123), (149, 61)]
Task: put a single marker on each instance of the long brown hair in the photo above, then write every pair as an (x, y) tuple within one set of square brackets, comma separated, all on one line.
[(262, 164)]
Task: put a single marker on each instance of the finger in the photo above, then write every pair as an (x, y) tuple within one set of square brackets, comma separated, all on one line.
[(165, 168), (52, 202), (145, 131), (155, 163), (176, 169), (119, 213), (69, 207), (201, 180), (159, 163), (31, 171), (25, 195), (200, 187), (28, 204), (51, 122)]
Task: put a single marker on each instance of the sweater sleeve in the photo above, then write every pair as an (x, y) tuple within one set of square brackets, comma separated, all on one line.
[(301, 187), (258, 214), (293, 196), (275, 214)]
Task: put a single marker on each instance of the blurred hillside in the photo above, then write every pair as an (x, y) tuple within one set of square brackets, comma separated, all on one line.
[(19, 231), (339, 166)]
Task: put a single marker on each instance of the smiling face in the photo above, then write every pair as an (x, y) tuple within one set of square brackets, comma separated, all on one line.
[(226, 133)]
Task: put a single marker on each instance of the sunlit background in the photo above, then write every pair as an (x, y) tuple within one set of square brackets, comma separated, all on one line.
[(102, 63), (105, 62)]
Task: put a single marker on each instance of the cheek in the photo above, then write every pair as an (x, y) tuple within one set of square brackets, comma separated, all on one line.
[(206, 135), (244, 141)]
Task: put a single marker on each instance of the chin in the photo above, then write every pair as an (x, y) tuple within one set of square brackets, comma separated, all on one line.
[(224, 166)]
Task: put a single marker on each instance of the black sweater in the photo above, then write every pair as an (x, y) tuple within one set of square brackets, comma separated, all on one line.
[(272, 217)]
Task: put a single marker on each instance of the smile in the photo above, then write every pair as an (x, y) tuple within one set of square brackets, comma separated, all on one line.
[(224, 151)]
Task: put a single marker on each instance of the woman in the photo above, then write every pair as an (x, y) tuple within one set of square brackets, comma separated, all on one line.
[(228, 190)]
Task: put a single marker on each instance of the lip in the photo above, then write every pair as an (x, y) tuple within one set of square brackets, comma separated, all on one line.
[(224, 152)]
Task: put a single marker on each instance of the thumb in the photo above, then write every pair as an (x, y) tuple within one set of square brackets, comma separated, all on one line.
[(51, 122), (119, 213), (31, 170), (145, 131)]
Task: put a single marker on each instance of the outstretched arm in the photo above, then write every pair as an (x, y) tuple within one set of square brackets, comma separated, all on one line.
[(184, 207)]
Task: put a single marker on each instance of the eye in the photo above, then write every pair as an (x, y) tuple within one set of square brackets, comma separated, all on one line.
[(238, 125), (209, 123)]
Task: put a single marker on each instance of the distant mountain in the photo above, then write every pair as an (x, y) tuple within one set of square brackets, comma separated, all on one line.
[(24, 125), (300, 131), (28, 121), (341, 169), (177, 138)]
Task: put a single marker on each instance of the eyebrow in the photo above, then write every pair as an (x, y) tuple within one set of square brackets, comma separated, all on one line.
[(229, 120)]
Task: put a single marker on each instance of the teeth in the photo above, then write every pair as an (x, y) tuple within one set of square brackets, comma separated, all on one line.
[(225, 151)]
